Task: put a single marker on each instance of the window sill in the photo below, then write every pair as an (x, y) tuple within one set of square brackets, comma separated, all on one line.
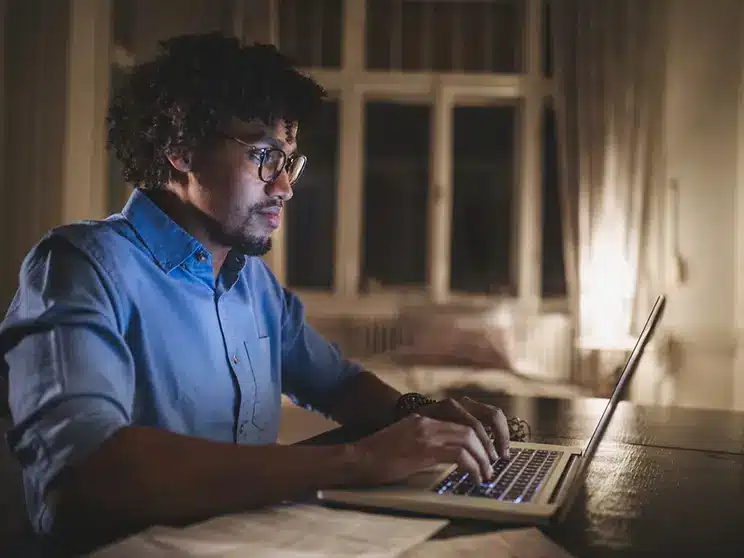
[(387, 303)]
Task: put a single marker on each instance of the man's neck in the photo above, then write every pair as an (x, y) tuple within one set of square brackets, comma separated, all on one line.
[(193, 222)]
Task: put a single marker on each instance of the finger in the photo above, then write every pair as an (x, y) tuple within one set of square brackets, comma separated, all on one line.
[(465, 437), (465, 462), (500, 428), (496, 425), (448, 434), (468, 419)]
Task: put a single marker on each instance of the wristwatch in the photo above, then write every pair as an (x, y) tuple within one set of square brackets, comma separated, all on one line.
[(409, 402)]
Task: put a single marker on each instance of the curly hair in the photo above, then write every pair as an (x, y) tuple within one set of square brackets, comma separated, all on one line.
[(194, 85)]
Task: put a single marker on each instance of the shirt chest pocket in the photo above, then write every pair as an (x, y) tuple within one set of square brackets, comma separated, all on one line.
[(262, 395)]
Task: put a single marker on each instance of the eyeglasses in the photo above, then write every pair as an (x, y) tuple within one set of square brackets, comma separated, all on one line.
[(272, 161)]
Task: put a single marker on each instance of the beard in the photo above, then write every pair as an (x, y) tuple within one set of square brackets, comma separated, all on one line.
[(244, 237), (252, 245)]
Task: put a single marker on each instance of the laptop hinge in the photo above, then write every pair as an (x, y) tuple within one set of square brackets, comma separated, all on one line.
[(564, 482)]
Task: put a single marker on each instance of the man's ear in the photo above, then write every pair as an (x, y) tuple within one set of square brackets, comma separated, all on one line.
[(181, 160)]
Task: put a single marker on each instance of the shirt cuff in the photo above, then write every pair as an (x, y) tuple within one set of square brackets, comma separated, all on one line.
[(62, 434)]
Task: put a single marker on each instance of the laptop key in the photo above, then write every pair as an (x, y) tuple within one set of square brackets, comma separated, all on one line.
[(514, 480), (464, 488)]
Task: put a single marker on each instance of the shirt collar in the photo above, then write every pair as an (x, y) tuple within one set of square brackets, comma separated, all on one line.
[(168, 243)]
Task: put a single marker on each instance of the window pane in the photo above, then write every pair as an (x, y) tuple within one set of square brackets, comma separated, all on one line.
[(311, 213), (118, 190), (553, 270), (483, 191), (310, 31), (396, 177), (547, 39), (445, 36), (442, 48), (123, 23), (378, 36)]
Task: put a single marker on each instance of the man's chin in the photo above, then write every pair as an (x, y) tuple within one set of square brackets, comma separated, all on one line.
[(254, 245)]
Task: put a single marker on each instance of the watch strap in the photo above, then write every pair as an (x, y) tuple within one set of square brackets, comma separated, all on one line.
[(409, 402)]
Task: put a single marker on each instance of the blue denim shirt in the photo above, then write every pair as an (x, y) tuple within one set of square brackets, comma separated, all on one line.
[(121, 322)]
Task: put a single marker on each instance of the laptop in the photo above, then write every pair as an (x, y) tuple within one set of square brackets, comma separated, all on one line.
[(535, 486)]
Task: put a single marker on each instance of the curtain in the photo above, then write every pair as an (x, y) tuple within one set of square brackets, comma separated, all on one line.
[(609, 76)]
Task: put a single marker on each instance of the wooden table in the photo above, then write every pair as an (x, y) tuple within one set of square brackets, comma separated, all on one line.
[(664, 481)]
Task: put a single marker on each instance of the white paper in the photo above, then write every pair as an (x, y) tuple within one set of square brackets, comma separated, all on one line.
[(297, 531), (512, 543)]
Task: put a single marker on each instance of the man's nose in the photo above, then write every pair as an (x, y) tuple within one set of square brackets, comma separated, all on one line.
[(280, 188)]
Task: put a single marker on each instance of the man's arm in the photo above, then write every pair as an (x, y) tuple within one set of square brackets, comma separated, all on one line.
[(316, 374), (365, 403), (143, 476), (72, 396)]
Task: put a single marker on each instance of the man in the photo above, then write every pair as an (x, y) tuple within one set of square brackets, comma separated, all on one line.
[(147, 353)]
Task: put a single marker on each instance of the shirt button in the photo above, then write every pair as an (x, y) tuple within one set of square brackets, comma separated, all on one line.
[(235, 359), (201, 256), (242, 429)]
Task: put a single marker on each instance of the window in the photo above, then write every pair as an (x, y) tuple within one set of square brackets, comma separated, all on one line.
[(547, 40), (444, 36), (553, 266), (310, 31), (482, 188), (444, 168), (311, 214), (396, 182)]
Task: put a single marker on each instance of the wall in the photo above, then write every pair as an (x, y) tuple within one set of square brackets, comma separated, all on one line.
[(56, 80), (154, 21), (4, 288), (703, 82), (35, 95), (738, 388)]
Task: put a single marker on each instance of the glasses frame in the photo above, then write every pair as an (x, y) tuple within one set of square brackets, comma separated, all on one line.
[(287, 161)]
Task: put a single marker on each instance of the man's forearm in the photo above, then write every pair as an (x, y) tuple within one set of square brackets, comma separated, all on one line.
[(143, 476), (365, 403)]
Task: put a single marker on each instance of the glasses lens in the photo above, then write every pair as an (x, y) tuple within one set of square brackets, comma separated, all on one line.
[(295, 168), (271, 166)]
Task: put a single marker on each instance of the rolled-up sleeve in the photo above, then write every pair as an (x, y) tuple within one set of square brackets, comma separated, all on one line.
[(313, 369), (70, 373)]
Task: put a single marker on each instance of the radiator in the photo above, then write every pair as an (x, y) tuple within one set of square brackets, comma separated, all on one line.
[(540, 346)]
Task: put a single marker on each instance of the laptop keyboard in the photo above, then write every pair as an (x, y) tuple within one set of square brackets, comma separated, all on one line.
[(515, 480)]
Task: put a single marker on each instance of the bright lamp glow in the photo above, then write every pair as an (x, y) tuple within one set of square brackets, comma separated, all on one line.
[(607, 281)]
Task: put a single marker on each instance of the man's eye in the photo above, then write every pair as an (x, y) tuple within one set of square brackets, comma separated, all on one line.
[(256, 155)]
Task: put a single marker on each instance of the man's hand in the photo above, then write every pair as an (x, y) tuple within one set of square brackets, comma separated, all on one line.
[(443, 432), (483, 419)]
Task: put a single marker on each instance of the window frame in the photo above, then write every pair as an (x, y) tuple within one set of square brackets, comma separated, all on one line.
[(352, 85)]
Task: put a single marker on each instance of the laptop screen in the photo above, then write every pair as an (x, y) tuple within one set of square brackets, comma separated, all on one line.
[(627, 374)]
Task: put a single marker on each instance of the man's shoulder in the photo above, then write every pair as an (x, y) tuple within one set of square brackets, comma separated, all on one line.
[(69, 261), (85, 234), (101, 243)]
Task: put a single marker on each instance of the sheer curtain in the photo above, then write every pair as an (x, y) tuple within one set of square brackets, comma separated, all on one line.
[(608, 70)]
